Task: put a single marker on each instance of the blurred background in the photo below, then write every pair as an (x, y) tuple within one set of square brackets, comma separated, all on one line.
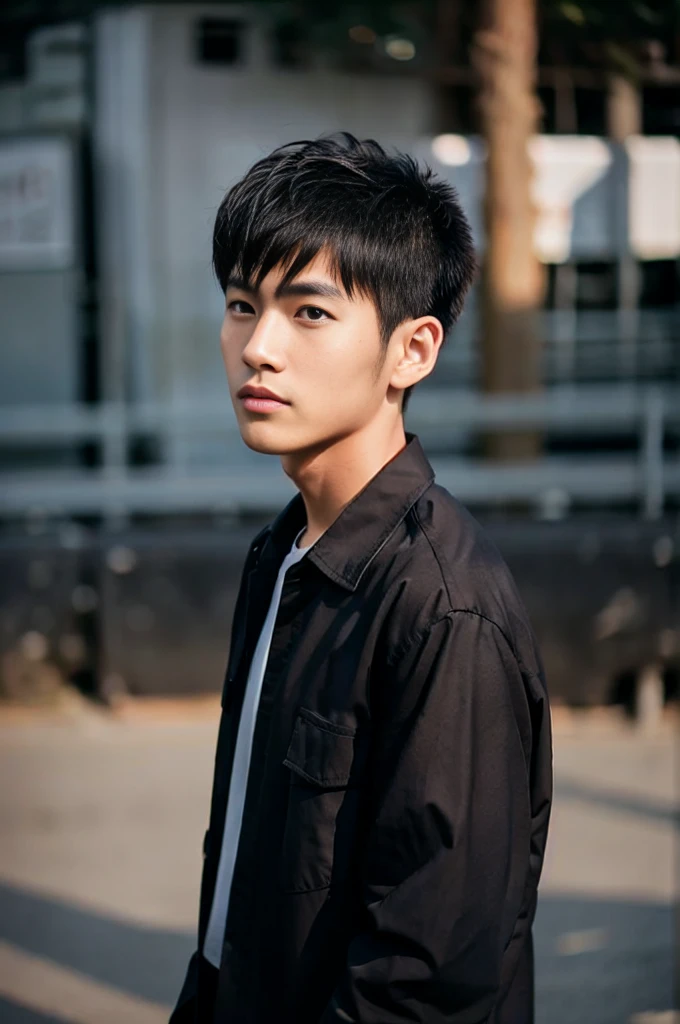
[(128, 500)]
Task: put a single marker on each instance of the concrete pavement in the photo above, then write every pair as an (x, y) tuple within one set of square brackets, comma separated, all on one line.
[(102, 818)]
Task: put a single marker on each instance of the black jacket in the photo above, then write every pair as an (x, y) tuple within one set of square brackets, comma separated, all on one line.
[(400, 784)]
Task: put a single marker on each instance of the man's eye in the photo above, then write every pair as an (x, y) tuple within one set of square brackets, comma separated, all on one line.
[(239, 306), (313, 313)]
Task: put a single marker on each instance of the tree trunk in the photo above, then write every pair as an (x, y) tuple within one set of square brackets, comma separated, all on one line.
[(624, 107), (504, 54)]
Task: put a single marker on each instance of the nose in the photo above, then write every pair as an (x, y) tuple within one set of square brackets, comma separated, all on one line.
[(265, 342)]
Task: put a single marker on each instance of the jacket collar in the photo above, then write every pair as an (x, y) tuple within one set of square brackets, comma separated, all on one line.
[(350, 543)]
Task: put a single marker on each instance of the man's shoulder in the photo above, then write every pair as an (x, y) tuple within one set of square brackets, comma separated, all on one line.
[(467, 560), (446, 562)]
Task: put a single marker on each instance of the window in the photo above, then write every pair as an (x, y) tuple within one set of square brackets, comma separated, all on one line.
[(660, 283), (596, 286), (661, 110), (290, 43), (219, 41), (591, 111)]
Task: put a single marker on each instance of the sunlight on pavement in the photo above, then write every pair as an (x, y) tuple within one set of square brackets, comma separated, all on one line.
[(41, 985), (669, 1017)]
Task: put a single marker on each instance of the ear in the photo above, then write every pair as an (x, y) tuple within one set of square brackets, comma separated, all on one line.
[(418, 342)]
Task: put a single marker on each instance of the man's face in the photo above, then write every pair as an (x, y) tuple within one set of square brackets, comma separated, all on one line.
[(311, 345)]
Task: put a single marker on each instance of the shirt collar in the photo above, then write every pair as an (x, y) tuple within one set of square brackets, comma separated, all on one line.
[(350, 543)]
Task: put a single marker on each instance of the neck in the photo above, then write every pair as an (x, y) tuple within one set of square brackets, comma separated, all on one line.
[(329, 477)]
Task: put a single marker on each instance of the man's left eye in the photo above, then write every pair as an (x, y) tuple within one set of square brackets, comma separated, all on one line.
[(313, 313)]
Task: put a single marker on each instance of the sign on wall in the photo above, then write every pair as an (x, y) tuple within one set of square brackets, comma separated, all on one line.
[(36, 204)]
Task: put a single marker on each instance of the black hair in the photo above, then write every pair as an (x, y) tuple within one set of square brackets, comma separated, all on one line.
[(394, 231)]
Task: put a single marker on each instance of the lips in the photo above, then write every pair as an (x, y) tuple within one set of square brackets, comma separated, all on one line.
[(264, 393)]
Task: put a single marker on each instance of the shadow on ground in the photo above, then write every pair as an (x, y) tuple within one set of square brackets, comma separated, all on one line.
[(13, 1013), (597, 796), (147, 963), (626, 968)]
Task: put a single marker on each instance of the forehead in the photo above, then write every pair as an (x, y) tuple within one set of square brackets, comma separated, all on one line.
[(321, 267), (320, 271)]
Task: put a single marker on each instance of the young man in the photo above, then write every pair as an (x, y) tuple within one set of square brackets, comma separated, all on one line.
[(383, 775)]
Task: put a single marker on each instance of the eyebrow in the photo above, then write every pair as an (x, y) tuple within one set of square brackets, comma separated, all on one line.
[(320, 289)]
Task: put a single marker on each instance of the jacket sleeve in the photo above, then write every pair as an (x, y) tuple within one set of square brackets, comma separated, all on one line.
[(445, 863)]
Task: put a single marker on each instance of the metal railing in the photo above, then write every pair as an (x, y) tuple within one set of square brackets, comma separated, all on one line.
[(613, 346), (647, 475)]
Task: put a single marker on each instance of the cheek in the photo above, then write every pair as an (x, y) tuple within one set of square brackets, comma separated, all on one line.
[(225, 357), (223, 340), (350, 358), (228, 348)]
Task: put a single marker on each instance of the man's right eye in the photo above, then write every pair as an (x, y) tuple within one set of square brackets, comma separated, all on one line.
[(238, 306)]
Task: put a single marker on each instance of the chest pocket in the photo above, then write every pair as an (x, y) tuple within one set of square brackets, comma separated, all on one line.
[(319, 838)]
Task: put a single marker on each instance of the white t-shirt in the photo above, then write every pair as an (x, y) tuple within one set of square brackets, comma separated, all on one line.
[(214, 938)]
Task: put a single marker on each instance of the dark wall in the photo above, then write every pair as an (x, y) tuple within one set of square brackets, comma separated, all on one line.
[(153, 607)]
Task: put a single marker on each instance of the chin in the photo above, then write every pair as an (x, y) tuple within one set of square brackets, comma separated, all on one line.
[(264, 448), (270, 439), (259, 441)]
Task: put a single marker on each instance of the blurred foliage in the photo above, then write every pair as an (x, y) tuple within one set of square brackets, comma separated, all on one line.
[(576, 32), (614, 33), (610, 19), (609, 33)]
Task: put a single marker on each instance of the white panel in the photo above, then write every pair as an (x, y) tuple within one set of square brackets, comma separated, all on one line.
[(654, 197), (571, 177)]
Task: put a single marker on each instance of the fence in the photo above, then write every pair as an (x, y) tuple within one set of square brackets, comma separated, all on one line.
[(647, 475)]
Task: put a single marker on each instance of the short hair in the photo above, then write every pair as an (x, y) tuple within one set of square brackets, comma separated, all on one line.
[(393, 230)]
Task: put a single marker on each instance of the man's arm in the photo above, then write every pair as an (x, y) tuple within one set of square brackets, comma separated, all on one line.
[(448, 852)]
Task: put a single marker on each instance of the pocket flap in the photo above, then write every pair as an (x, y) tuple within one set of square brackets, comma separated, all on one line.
[(320, 751)]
